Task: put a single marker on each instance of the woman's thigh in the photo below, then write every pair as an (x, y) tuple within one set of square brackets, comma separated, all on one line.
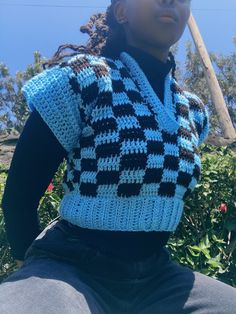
[(180, 290), (44, 285)]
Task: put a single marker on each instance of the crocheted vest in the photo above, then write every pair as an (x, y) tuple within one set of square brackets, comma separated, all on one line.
[(132, 159)]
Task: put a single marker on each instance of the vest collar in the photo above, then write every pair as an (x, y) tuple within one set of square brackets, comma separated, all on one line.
[(151, 66)]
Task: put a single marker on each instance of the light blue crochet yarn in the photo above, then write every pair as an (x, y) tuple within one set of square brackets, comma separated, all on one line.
[(51, 94)]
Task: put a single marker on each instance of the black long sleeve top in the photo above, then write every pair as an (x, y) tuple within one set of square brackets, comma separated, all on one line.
[(36, 159)]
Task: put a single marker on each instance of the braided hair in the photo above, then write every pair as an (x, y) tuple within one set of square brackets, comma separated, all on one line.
[(106, 37)]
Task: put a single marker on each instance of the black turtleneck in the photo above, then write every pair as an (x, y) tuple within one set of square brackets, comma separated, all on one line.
[(154, 69), (37, 157)]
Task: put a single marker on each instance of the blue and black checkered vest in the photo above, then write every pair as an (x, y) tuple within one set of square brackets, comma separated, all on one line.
[(132, 159)]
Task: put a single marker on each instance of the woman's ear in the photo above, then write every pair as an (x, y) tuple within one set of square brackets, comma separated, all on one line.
[(120, 11)]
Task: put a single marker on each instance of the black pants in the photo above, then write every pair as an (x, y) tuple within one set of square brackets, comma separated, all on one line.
[(61, 274)]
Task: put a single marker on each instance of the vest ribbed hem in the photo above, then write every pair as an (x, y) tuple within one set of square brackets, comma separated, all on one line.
[(122, 214)]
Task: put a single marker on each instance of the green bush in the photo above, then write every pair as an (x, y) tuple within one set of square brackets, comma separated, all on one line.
[(205, 240)]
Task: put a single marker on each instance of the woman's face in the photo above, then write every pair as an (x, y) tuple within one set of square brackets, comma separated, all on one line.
[(154, 23)]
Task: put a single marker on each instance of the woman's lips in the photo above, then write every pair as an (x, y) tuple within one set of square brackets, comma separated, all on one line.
[(167, 16), (166, 19)]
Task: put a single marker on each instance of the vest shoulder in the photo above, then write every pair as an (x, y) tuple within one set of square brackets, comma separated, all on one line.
[(84, 60), (194, 101)]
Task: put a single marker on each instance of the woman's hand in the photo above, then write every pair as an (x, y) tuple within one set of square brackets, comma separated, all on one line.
[(19, 263)]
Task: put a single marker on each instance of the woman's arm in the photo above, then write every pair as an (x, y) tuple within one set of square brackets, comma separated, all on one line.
[(37, 157)]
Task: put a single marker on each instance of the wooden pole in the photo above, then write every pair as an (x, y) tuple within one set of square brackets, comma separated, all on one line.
[(213, 84)]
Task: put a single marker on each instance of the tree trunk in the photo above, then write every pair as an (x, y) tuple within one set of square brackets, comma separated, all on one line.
[(213, 85)]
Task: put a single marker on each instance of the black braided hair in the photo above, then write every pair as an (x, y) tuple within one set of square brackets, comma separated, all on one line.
[(172, 59), (97, 30), (106, 37)]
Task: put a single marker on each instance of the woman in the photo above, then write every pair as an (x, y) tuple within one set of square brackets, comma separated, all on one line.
[(130, 136)]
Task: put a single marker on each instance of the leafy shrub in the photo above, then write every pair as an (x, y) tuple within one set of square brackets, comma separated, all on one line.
[(205, 240)]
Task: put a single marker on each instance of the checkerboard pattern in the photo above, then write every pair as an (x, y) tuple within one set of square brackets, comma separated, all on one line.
[(124, 171)]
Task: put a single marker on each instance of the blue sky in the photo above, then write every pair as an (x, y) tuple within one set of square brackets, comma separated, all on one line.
[(24, 29)]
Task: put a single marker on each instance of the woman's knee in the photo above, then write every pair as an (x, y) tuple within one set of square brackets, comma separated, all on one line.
[(209, 295), (46, 286)]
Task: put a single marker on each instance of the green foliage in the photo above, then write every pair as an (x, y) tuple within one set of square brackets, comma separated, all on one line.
[(7, 264), (49, 204), (14, 111), (205, 239)]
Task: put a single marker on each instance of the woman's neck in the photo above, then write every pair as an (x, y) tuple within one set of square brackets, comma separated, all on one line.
[(160, 54)]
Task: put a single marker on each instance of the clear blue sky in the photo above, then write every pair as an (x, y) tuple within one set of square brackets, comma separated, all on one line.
[(24, 29)]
